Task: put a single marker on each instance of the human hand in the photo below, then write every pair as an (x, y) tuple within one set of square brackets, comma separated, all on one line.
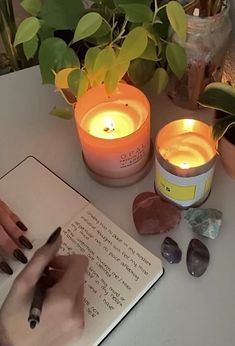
[(12, 237), (62, 317)]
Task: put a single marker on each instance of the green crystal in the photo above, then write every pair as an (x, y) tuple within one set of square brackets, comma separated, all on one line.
[(206, 222)]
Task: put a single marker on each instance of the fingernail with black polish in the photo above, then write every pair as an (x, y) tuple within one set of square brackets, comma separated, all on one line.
[(6, 268), (25, 242), (21, 226), (18, 254), (54, 236)]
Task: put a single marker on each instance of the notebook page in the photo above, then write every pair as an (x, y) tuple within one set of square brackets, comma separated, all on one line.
[(42, 201), (120, 270), (40, 198)]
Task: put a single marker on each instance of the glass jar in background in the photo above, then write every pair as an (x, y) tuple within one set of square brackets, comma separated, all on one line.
[(206, 45), (229, 66)]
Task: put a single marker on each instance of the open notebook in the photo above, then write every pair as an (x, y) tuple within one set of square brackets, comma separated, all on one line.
[(120, 270)]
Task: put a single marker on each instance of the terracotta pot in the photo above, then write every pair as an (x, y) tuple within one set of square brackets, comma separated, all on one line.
[(227, 155)]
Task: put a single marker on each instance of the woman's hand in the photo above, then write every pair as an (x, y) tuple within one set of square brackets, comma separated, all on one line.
[(62, 317), (12, 237)]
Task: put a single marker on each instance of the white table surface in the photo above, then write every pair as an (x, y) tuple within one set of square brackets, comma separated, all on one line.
[(180, 310)]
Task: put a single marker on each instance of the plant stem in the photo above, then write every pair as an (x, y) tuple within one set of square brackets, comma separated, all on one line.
[(122, 32), (114, 24), (6, 39), (12, 22), (155, 11)]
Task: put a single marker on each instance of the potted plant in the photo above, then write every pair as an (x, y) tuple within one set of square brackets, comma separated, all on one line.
[(80, 46), (221, 96), (208, 33)]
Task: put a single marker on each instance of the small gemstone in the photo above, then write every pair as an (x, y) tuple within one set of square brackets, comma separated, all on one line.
[(171, 251), (198, 258), (152, 215), (206, 222)]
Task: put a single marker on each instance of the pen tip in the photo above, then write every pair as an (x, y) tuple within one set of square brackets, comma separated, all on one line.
[(33, 324)]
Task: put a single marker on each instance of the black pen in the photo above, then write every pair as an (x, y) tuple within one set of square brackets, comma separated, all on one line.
[(42, 285), (38, 298)]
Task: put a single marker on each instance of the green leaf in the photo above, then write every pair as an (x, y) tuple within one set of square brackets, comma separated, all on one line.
[(137, 13), (108, 3), (219, 96), (122, 69), (160, 80), (141, 71), (45, 31), (30, 47), (104, 30), (87, 26), (133, 46), (177, 18), (150, 52), (104, 61), (90, 58), (31, 6), (222, 125), (83, 84), (176, 58), (105, 58), (111, 80), (61, 112), (162, 29), (78, 82), (62, 14), (73, 80), (132, 2), (27, 30), (61, 78), (54, 55), (152, 34)]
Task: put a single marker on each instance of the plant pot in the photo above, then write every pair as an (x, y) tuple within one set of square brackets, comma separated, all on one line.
[(206, 46), (227, 148), (227, 154)]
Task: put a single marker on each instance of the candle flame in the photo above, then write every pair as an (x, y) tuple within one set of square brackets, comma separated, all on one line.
[(184, 165), (188, 124), (109, 125)]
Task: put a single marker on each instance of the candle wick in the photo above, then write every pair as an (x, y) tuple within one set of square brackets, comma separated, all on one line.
[(108, 129)]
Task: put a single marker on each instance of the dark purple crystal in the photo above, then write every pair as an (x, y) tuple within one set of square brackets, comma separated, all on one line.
[(197, 258), (171, 251)]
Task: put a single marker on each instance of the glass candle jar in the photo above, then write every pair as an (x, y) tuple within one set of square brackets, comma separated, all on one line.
[(185, 162), (206, 45), (114, 132)]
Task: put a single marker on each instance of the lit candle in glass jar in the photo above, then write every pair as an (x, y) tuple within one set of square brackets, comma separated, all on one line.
[(185, 161), (108, 123), (114, 132)]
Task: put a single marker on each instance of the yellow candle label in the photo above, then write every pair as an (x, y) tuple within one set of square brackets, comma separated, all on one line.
[(184, 191), (181, 193)]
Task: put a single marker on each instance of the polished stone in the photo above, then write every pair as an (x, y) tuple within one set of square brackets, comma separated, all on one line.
[(171, 251), (206, 222), (198, 258), (152, 215)]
